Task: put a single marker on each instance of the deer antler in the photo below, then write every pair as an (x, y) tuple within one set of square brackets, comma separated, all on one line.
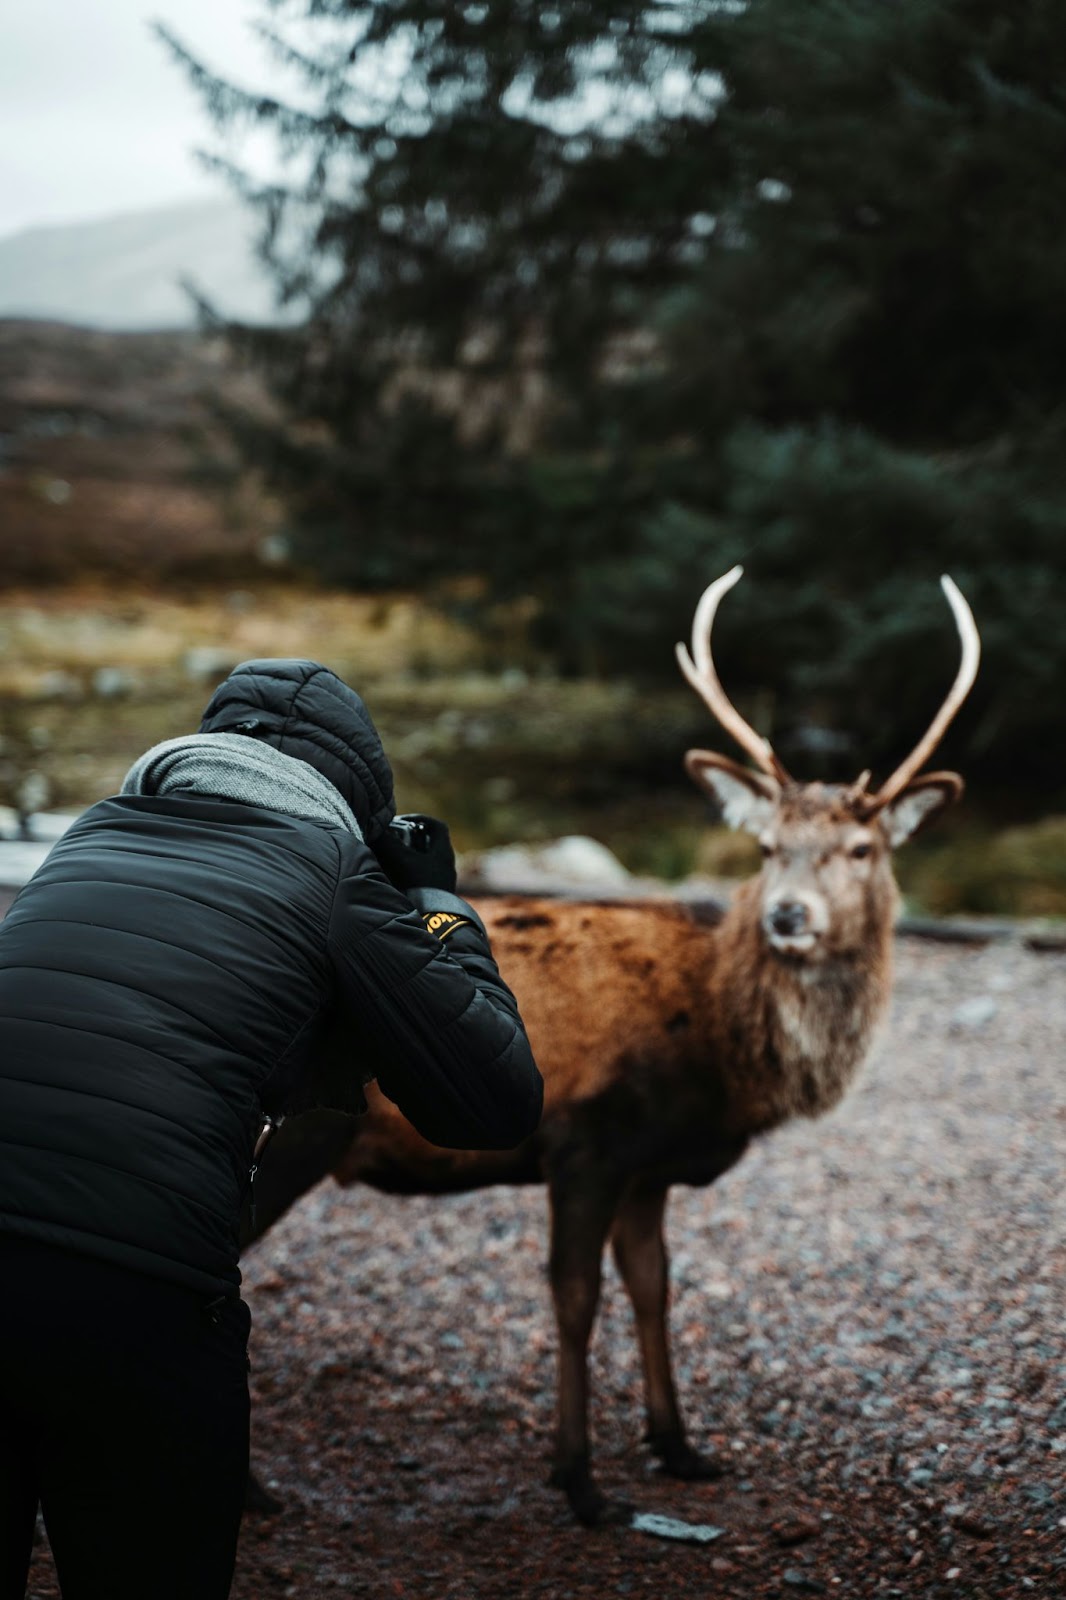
[(699, 670), (971, 655)]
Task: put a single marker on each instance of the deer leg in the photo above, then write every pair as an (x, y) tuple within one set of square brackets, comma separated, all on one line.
[(640, 1252), (580, 1220)]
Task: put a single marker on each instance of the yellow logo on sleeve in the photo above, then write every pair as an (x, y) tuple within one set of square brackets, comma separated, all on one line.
[(442, 923)]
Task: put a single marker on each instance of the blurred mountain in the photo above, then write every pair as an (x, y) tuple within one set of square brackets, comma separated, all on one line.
[(126, 272)]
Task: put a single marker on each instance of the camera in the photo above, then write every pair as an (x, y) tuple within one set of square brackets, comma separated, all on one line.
[(410, 831)]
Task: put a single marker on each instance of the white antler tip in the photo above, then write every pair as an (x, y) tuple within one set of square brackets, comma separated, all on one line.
[(971, 656), (965, 623)]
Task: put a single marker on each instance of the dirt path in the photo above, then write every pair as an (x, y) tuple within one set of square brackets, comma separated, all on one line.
[(868, 1324)]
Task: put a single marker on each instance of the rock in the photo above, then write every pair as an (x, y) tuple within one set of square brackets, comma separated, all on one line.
[(802, 1580), (57, 685), (975, 1013), (797, 1530), (33, 794), (575, 859), (969, 1522), (273, 550), (672, 1528), (208, 661), (110, 682)]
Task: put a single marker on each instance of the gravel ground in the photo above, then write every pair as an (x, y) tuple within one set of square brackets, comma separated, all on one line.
[(868, 1324)]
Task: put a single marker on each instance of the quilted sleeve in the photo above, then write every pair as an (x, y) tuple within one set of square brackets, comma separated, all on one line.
[(427, 1004)]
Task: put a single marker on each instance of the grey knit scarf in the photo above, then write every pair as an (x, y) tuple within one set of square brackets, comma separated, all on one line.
[(239, 768)]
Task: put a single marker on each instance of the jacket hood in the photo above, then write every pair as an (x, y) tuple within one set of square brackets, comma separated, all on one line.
[(306, 711)]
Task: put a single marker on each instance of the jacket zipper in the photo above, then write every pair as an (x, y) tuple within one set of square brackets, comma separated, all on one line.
[(268, 1129)]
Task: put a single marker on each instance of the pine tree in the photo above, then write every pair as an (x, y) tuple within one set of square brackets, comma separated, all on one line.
[(491, 199), (594, 300), (896, 187)]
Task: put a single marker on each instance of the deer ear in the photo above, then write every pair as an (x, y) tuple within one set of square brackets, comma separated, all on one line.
[(919, 803), (746, 799)]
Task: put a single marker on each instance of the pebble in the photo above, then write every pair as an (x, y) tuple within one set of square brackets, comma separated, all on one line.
[(796, 1531), (802, 1580), (975, 1013)]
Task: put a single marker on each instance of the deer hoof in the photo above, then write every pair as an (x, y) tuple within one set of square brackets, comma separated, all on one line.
[(678, 1459), (258, 1498), (591, 1507)]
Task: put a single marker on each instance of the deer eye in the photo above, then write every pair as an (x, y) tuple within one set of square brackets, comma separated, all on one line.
[(860, 851), (767, 848)]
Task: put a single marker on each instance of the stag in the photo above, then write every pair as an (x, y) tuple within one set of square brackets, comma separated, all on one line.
[(667, 1045)]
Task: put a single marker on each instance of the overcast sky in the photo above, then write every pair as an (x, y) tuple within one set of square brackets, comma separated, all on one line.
[(95, 118)]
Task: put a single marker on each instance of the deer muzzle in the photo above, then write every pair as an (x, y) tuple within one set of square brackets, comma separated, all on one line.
[(794, 924)]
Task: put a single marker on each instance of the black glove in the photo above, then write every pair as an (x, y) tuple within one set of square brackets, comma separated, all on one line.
[(416, 852)]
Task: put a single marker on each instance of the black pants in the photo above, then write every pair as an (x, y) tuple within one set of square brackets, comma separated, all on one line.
[(124, 1414)]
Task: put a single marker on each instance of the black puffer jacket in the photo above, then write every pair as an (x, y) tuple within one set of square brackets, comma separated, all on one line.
[(176, 966)]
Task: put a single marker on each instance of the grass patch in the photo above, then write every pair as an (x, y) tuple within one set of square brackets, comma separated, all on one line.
[(82, 630), (90, 677), (1016, 872)]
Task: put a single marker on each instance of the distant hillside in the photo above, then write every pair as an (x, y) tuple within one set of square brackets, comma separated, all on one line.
[(112, 461), (125, 272)]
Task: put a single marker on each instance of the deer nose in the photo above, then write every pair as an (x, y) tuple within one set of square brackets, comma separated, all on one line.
[(789, 917)]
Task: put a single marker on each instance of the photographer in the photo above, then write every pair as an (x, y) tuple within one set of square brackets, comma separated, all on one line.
[(168, 980)]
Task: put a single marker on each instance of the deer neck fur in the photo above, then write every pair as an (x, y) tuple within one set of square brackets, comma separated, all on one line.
[(790, 1035)]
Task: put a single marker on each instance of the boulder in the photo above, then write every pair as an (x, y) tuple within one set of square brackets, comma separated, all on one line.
[(557, 864)]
